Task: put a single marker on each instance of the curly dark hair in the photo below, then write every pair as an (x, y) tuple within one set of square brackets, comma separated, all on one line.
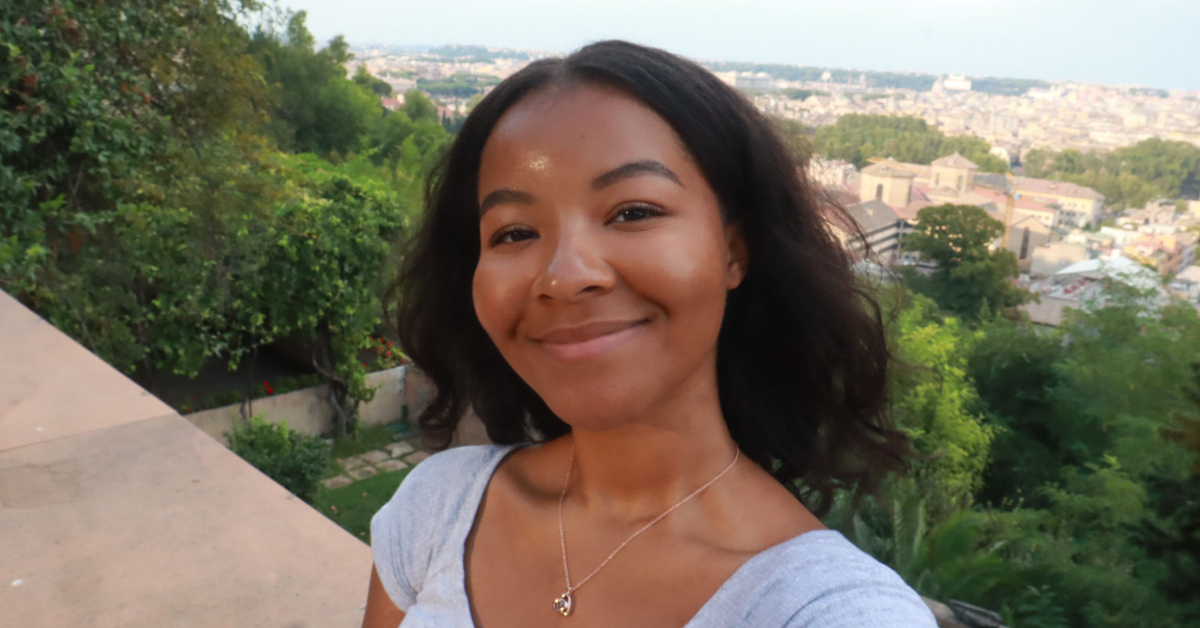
[(802, 355)]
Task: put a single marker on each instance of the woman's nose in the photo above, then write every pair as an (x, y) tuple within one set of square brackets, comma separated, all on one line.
[(575, 267)]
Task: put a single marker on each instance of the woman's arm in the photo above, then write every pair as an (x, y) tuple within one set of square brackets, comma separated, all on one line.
[(381, 611)]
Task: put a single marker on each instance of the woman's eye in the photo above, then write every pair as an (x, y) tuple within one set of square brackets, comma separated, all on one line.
[(634, 213), (512, 235)]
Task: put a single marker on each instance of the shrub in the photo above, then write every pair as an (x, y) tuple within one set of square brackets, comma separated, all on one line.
[(294, 460)]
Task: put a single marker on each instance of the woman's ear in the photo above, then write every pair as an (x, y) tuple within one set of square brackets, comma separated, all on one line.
[(735, 269)]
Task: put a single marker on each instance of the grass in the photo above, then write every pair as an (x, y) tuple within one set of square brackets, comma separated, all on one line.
[(353, 506), (368, 438)]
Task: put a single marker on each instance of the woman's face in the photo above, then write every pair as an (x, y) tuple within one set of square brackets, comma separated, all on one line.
[(604, 262)]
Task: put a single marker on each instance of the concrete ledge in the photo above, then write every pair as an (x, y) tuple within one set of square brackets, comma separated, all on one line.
[(115, 511), (51, 387), (154, 524)]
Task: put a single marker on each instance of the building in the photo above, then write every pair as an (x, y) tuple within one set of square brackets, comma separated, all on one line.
[(1085, 285), (955, 172), (957, 83), (1026, 235), (830, 173), (1079, 205), (1186, 284), (1166, 252), (886, 182), (1155, 213), (880, 225), (1050, 258)]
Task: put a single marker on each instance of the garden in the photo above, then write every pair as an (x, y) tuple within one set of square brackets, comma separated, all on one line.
[(346, 480)]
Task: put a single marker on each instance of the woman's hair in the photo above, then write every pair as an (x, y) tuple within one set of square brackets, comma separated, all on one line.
[(802, 357)]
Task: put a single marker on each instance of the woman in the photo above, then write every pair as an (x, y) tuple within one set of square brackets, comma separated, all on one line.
[(623, 276)]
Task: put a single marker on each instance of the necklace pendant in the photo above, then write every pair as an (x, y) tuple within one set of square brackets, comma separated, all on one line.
[(562, 603)]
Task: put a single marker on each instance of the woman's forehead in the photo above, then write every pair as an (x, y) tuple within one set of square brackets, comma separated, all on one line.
[(585, 127)]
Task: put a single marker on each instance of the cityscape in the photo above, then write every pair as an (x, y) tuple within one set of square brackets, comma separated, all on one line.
[(1067, 240)]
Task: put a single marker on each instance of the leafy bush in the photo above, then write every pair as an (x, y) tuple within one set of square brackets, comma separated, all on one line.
[(295, 460)]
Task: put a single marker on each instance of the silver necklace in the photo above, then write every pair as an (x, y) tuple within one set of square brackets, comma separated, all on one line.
[(564, 603)]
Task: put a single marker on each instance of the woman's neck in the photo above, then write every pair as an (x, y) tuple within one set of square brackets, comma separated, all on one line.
[(651, 462)]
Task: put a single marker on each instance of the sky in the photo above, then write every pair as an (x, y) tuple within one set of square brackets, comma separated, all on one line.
[(1142, 42)]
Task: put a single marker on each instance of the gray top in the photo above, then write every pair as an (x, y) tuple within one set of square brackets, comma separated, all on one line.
[(815, 580)]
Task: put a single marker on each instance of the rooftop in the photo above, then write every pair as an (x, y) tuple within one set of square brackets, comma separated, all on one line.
[(887, 169), (872, 215), (1029, 185), (954, 161)]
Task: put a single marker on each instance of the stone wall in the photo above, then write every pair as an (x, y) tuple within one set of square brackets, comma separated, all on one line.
[(309, 410)]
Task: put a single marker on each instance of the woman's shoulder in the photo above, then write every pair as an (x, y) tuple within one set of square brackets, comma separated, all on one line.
[(437, 492), (822, 580), (456, 465), (445, 479), (433, 502)]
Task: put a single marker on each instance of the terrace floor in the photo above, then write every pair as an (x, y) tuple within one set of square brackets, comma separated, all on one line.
[(116, 511)]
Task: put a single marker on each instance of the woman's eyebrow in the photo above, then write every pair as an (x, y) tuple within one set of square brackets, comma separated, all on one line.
[(504, 195), (634, 169), (620, 173)]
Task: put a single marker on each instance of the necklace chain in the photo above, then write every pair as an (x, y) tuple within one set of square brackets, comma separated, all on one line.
[(563, 537)]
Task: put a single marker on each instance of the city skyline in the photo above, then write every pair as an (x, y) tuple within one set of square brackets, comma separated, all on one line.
[(1100, 41)]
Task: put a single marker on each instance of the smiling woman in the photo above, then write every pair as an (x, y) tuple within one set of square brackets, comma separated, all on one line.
[(623, 276)]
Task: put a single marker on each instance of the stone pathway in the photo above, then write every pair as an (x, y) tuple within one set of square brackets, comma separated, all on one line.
[(394, 457)]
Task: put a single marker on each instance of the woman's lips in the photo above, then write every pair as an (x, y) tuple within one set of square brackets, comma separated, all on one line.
[(588, 341)]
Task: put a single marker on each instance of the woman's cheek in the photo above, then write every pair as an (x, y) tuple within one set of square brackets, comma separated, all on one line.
[(683, 268), (495, 293)]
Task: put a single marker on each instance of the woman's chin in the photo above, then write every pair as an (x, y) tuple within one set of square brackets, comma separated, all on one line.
[(592, 416)]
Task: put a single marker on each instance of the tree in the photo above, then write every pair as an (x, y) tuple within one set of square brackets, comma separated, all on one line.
[(969, 277), (1128, 176), (936, 404), (795, 138), (418, 108), (857, 138), (363, 78), (319, 110), (147, 212), (112, 107), (1015, 369)]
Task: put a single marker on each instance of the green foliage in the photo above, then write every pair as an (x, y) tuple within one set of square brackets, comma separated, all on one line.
[(418, 107), (802, 94), (857, 138), (969, 278), (1089, 479), (363, 78), (1084, 511), (935, 403), (102, 100), (1129, 176), (294, 460), (795, 137), (318, 109), (1014, 369), (147, 210), (458, 86)]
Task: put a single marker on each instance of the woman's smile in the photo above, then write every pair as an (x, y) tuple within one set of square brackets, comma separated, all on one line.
[(589, 340)]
